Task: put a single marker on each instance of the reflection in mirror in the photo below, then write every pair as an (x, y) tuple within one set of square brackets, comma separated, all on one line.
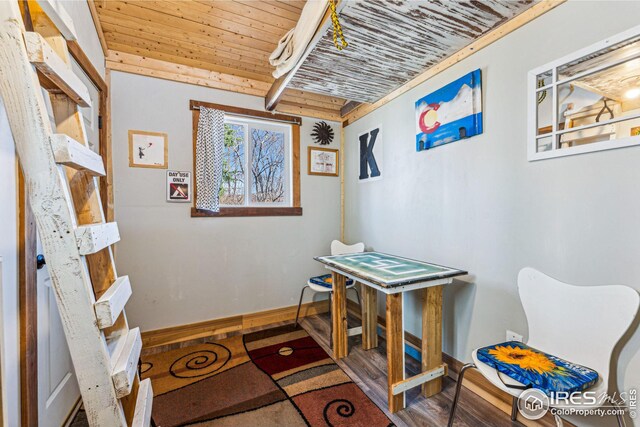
[(587, 101), (617, 52), (543, 79), (544, 144), (544, 111), (603, 105)]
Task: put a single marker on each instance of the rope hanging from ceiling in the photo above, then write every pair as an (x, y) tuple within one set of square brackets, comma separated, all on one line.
[(337, 28)]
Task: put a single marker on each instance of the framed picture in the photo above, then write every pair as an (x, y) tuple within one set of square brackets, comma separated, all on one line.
[(178, 186), (148, 149), (323, 161), (451, 113)]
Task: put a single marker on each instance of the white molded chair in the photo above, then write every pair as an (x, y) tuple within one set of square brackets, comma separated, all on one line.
[(337, 248), (580, 324)]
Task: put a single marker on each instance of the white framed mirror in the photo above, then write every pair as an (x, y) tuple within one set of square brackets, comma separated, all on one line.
[(586, 101)]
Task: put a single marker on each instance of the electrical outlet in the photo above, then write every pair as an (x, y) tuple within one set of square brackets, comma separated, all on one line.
[(513, 336)]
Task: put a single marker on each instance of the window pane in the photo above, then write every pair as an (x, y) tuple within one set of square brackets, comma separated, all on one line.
[(544, 144), (543, 79), (544, 111), (232, 188), (610, 54), (607, 95), (267, 166), (604, 132)]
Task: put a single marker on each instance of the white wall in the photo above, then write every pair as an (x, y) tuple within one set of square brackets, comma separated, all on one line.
[(184, 269), (9, 321), (479, 205), (88, 39)]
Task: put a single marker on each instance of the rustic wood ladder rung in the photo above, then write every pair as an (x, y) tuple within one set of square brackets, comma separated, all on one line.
[(61, 176), (126, 363), (112, 302), (69, 152), (93, 238), (52, 66)]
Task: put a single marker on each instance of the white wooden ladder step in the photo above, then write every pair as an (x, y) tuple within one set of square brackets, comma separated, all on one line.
[(105, 352), (59, 17), (126, 363), (144, 402), (49, 63), (112, 302), (93, 238), (69, 152)]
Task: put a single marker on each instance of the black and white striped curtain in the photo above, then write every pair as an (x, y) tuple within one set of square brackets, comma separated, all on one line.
[(209, 150)]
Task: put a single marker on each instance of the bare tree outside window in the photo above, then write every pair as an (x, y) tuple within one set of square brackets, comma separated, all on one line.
[(267, 166), (232, 188), (254, 164)]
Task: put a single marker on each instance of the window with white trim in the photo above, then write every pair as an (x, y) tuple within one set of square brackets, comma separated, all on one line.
[(256, 169), (587, 101)]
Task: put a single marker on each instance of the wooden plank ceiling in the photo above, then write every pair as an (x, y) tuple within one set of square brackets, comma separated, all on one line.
[(227, 43), (232, 38), (392, 41)]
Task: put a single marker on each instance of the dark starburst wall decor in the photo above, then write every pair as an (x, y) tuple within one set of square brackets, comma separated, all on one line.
[(322, 133)]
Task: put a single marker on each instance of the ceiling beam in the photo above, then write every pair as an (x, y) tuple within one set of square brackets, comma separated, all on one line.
[(275, 92), (135, 64), (303, 110), (141, 65), (349, 107), (494, 35)]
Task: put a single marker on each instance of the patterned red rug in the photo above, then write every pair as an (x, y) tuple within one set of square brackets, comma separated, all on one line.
[(277, 377)]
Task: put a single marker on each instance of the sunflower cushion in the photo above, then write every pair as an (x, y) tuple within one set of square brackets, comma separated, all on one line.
[(326, 281), (536, 369)]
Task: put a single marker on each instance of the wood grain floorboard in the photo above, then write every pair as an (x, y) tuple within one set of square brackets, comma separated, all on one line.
[(368, 369)]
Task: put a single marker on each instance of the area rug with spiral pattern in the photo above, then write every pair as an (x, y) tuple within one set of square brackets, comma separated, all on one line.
[(275, 377)]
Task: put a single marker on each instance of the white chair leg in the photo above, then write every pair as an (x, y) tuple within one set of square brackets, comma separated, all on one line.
[(559, 422), (300, 305), (452, 414)]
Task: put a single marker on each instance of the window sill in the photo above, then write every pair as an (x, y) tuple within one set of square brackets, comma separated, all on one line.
[(247, 211)]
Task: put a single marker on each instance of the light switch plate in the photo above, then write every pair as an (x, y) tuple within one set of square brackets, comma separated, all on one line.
[(513, 336)]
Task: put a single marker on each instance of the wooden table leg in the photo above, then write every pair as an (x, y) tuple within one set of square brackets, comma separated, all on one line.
[(369, 317), (339, 316), (395, 350), (432, 337)]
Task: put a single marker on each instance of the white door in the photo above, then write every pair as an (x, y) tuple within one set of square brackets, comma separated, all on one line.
[(57, 384)]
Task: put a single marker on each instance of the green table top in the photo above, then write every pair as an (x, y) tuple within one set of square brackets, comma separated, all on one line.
[(388, 270)]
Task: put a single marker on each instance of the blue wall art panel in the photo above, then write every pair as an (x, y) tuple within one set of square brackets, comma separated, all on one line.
[(450, 113)]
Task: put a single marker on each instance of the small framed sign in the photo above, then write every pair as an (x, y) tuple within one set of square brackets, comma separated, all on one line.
[(322, 161), (178, 186), (148, 149)]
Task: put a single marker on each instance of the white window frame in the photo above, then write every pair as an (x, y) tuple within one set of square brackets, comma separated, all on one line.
[(532, 96), (287, 129)]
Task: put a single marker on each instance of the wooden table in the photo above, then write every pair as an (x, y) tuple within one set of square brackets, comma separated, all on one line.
[(392, 275)]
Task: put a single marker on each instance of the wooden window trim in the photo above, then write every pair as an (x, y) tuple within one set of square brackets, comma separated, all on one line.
[(296, 209)]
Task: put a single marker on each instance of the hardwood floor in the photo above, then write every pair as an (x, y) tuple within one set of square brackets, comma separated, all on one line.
[(368, 369)]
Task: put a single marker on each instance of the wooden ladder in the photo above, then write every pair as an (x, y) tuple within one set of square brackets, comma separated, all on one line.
[(61, 174)]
